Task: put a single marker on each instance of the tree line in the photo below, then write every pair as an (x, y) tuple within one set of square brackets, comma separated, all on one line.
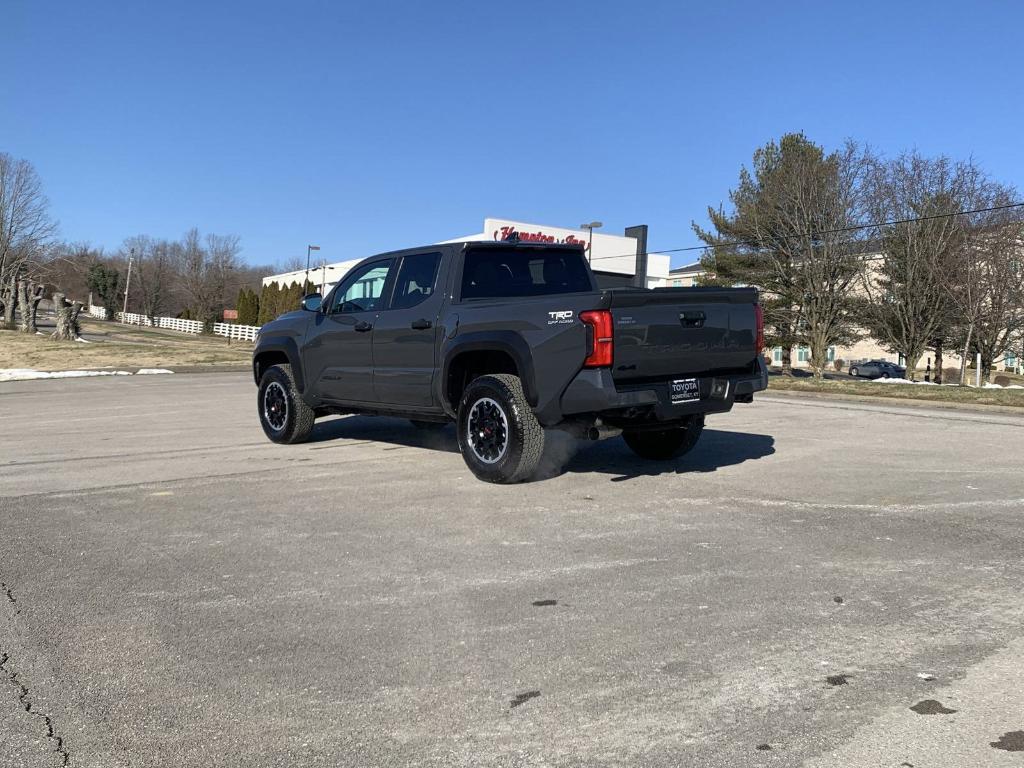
[(271, 300), (848, 244), (195, 276)]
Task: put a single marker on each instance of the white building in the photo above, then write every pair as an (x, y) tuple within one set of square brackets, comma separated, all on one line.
[(612, 254)]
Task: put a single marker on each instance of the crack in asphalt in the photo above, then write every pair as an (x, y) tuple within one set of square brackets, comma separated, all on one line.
[(26, 704), (23, 690)]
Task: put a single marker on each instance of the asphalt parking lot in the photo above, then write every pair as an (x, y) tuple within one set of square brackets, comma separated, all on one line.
[(177, 591)]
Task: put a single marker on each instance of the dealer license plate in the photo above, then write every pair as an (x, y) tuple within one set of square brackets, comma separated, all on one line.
[(684, 391)]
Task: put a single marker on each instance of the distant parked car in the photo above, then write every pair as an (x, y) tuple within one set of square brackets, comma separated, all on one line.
[(877, 369)]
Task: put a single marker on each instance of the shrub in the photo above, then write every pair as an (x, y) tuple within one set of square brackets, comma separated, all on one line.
[(839, 364), (1002, 381)]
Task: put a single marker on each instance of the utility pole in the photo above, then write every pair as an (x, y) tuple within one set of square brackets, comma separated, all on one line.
[(127, 283)]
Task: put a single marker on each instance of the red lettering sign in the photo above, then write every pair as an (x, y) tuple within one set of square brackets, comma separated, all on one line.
[(506, 233)]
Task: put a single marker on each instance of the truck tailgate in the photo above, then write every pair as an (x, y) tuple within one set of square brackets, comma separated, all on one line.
[(674, 332)]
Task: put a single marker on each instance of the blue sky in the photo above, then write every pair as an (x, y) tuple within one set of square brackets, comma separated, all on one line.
[(377, 125)]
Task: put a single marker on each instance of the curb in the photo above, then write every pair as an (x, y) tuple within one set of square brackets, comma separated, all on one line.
[(210, 369), (900, 401)]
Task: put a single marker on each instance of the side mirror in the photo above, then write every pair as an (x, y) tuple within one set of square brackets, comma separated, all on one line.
[(312, 302)]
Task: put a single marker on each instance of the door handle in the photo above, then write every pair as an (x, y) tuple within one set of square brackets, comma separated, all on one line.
[(362, 326), (421, 325)]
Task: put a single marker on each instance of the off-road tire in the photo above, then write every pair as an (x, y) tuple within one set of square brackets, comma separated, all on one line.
[(297, 419), (524, 436), (665, 444)]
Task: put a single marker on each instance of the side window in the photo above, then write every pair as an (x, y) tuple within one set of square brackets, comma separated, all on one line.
[(362, 290), (416, 279)]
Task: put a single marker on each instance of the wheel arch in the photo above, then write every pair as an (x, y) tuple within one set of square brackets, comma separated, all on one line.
[(277, 351), (476, 355)]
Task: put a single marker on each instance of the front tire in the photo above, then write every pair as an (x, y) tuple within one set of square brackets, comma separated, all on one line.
[(664, 444), (854, 372), (500, 438), (284, 415)]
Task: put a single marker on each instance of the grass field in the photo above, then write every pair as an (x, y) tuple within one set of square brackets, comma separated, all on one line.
[(965, 395), (123, 347)]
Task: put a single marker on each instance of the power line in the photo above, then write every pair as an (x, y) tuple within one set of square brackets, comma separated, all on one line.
[(893, 223)]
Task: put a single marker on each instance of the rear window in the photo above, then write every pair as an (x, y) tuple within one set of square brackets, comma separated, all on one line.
[(510, 272)]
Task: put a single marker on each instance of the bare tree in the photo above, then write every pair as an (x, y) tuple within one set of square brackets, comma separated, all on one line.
[(974, 279), (205, 272), (155, 274), (906, 307), (66, 267), (1000, 319), (66, 313), (290, 264), (29, 296), (25, 225)]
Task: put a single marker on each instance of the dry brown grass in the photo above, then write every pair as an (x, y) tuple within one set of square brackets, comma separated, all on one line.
[(121, 347), (1013, 397)]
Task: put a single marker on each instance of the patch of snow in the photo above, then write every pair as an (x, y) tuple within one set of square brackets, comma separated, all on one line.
[(987, 385), (151, 371), (895, 381), (29, 374)]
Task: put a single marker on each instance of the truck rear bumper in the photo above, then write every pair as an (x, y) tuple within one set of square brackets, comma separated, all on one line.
[(593, 391)]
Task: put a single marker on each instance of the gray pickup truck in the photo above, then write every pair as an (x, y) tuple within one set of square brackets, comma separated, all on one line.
[(507, 340)]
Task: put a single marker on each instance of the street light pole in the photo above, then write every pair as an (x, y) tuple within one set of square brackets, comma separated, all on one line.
[(309, 250), (591, 226), (127, 283)]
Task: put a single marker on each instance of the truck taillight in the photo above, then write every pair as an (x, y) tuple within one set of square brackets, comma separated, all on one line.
[(759, 338), (599, 338)]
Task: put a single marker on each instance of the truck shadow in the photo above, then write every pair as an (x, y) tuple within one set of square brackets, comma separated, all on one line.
[(717, 448), (383, 429), (562, 453)]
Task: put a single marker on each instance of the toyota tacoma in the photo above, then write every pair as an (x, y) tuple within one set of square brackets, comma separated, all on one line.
[(507, 340)]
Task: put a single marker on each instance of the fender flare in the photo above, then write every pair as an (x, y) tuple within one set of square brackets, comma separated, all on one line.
[(290, 348), (509, 342)]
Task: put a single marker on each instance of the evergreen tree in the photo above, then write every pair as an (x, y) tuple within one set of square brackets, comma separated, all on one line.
[(261, 317), (254, 308), (241, 304), (791, 234), (105, 282)]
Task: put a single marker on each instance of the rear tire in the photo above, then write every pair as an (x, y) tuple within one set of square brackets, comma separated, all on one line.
[(284, 415), (664, 444), (500, 438)]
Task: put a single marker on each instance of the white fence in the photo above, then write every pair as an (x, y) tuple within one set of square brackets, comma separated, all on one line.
[(229, 330)]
